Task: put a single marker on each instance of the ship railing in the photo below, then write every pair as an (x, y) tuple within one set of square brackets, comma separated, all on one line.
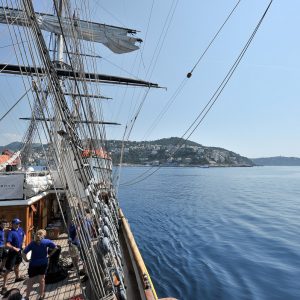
[(143, 274)]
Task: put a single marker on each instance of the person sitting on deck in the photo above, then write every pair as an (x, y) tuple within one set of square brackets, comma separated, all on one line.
[(39, 261), (3, 252), (14, 243)]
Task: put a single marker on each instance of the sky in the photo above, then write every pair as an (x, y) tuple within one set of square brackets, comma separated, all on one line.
[(257, 114)]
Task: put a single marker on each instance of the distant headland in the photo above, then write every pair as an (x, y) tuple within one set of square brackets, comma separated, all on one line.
[(277, 161)]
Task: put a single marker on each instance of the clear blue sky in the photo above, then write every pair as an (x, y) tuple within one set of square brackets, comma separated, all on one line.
[(258, 112)]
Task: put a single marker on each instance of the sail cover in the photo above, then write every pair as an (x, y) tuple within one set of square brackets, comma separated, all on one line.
[(115, 38), (11, 186)]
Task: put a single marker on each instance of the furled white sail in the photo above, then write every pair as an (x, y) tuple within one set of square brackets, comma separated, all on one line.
[(115, 38), (36, 183)]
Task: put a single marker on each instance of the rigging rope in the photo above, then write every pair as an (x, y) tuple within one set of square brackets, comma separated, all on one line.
[(184, 81), (195, 124), (151, 68), (213, 39), (15, 104)]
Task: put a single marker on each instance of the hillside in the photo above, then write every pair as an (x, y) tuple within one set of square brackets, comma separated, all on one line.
[(277, 161), (17, 146), (12, 146), (162, 152)]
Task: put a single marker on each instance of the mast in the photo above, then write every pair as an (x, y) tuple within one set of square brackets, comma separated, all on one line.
[(60, 42), (71, 127)]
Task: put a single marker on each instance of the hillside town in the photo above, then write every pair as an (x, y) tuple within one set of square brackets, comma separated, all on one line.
[(163, 152), (167, 152)]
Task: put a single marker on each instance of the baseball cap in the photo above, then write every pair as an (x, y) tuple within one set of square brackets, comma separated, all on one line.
[(16, 221)]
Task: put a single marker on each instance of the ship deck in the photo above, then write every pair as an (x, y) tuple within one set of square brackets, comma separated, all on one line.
[(70, 288), (65, 289)]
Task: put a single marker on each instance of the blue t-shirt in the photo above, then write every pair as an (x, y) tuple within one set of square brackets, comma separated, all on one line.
[(39, 252), (89, 227), (73, 235), (15, 237), (1, 237)]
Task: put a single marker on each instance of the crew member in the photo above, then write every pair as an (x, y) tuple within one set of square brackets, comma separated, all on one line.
[(2, 245), (39, 261), (14, 243), (74, 242)]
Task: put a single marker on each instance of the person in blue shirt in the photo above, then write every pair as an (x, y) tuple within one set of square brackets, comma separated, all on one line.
[(14, 243), (2, 223), (74, 240), (2, 245), (38, 262), (73, 235)]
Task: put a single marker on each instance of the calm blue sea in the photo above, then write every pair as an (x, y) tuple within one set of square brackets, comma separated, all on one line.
[(218, 233)]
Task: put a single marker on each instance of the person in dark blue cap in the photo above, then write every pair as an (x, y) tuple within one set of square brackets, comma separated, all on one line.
[(14, 243)]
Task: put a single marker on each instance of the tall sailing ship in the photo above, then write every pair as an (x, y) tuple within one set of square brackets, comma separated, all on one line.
[(62, 86)]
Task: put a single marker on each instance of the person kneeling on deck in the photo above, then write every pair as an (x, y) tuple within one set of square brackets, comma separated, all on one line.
[(39, 261), (14, 243)]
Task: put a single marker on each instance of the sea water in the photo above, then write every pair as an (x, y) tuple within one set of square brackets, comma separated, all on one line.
[(217, 233)]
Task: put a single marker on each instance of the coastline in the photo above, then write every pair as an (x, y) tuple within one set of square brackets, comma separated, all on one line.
[(186, 166)]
